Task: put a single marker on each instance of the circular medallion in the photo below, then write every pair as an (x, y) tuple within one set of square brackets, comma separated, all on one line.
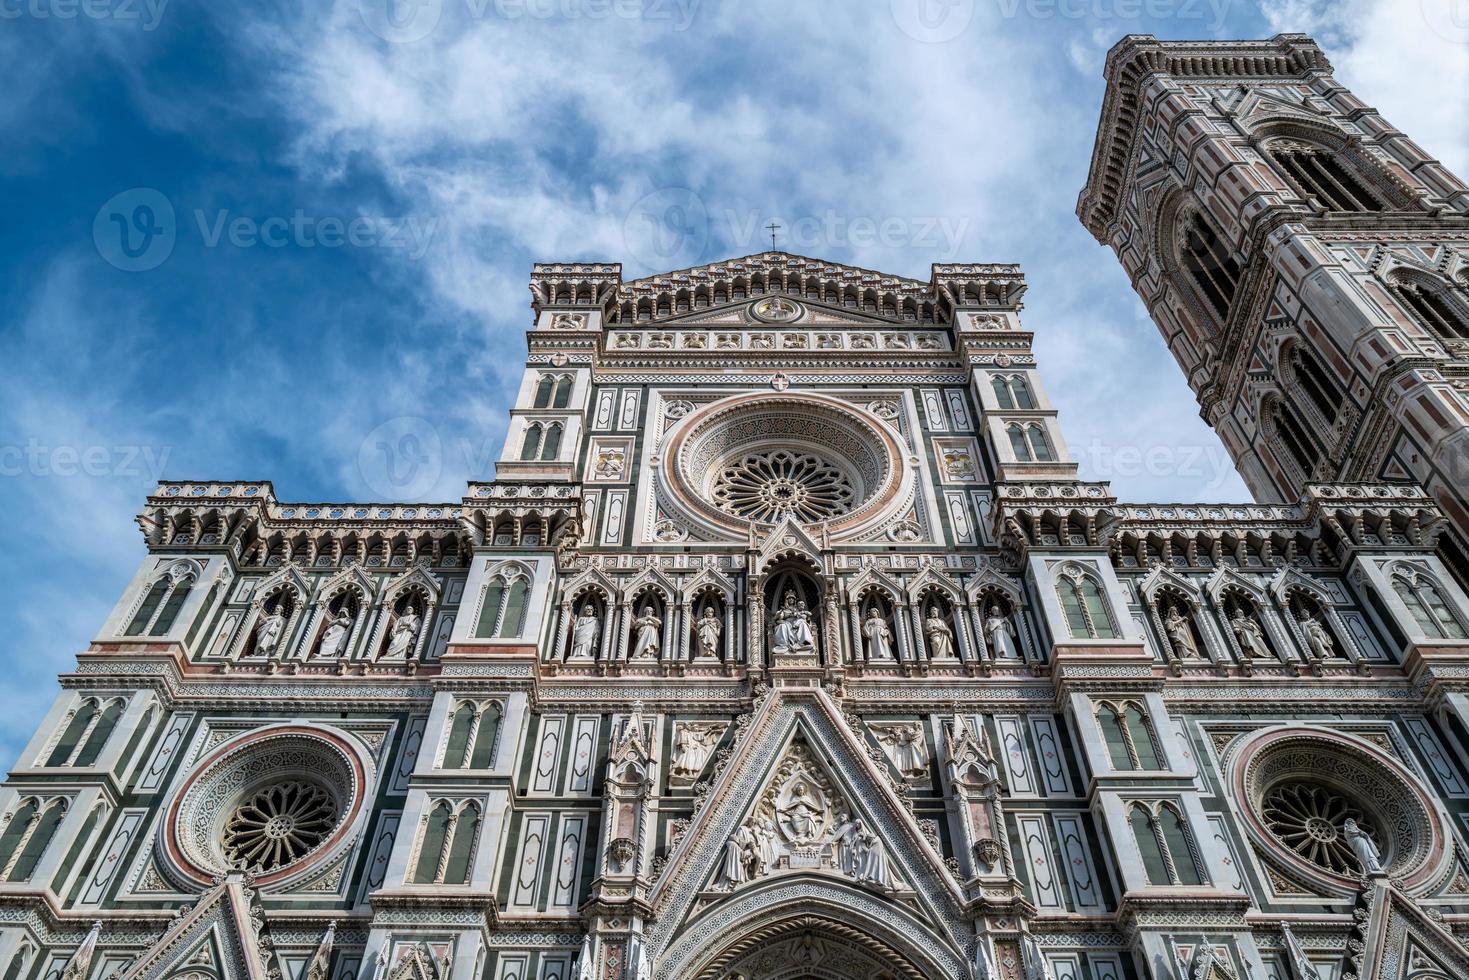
[(777, 309)]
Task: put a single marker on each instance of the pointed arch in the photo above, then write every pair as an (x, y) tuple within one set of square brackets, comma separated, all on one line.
[(1424, 597), (530, 446), (552, 445), (1438, 305)]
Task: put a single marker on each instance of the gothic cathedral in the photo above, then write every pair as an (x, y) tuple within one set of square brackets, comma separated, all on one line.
[(788, 643)]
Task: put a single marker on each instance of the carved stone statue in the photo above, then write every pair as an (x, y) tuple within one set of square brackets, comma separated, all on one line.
[(1180, 634), (871, 859), (1001, 633), (584, 633), (405, 631), (335, 636), (793, 626), (1250, 634), (646, 644), (692, 744), (1363, 846), (802, 814), (707, 632), (906, 747), (738, 851), (764, 834), (268, 632), (940, 635), (879, 636), (1318, 637)]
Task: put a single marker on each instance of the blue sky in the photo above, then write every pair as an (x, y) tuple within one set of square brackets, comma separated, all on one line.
[(331, 210)]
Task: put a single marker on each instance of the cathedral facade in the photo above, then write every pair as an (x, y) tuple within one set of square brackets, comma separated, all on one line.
[(787, 642)]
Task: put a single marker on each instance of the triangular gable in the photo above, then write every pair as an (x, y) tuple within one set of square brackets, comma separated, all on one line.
[(1225, 578), (875, 578), (786, 539), (802, 728), (711, 578), (1399, 933), (1160, 577), (351, 576), (988, 578), (222, 927), (1292, 578), (931, 576), (417, 575), (817, 314), (289, 575), (592, 578), (655, 578), (745, 265)]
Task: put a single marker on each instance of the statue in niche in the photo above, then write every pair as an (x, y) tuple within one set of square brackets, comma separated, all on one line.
[(584, 633), (707, 632), (940, 635), (335, 637), (906, 748), (405, 631), (793, 626), (1180, 634), (1250, 634), (646, 645), (268, 632), (1318, 637), (692, 745), (879, 636), (1363, 846), (1001, 634)]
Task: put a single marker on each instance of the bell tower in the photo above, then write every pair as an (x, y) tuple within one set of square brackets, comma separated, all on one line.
[(1307, 264)]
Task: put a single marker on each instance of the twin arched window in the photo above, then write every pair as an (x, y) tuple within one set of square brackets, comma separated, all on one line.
[(1290, 433), (1086, 611), (1211, 264), (161, 604), (86, 733), (1319, 173), (26, 836), (542, 442), (502, 614), (1012, 391), (1437, 307), (1427, 605), (553, 391), (1306, 374), (1128, 735), (1029, 444), (473, 733), (446, 851), (1163, 840)]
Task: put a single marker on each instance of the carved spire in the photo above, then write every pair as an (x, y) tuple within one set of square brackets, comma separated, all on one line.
[(321, 962), (80, 963)]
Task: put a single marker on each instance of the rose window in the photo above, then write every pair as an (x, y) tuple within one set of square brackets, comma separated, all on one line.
[(771, 485), (278, 825), (1308, 818)]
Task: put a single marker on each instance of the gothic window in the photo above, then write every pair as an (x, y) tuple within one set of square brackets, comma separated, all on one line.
[(472, 736), (1320, 174), (531, 447), (86, 733), (1002, 391), (1320, 389), (502, 613), (446, 850), (1129, 736), (1291, 435), (1166, 846), (1438, 309), (161, 603), (26, 837), (1012, 391), (563, 392), (1029, 443), (1208, 260), (18, 963), (1427, 605), (552, 445), (544, 389), (1085, 608)]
